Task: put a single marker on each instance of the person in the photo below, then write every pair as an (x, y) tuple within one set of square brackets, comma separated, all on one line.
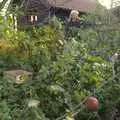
[(74, 16), (72, 23)]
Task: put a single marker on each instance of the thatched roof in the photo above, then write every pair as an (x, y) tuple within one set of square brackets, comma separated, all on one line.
[(81, 5)]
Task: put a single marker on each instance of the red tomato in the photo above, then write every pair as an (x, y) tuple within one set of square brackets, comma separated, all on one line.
[(92, 103)]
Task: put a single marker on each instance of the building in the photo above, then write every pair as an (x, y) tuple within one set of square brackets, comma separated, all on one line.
[(40, 11)]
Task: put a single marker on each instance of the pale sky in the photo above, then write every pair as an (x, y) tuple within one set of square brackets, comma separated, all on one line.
[(107, 3), (1, 1)]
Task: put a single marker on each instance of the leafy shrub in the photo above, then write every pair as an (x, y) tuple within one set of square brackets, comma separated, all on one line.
[(65, 71)]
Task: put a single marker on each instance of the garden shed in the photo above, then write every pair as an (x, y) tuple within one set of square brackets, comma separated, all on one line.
[(40, 11)]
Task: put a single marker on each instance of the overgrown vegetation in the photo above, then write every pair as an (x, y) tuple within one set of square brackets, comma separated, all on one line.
[(65, 70)]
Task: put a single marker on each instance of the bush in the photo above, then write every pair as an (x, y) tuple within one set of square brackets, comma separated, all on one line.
[(65, 72)]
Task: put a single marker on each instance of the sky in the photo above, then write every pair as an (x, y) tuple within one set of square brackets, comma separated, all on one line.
[(107, 3), (1, 1)]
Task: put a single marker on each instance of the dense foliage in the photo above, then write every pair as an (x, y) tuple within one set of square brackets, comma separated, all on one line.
[(66, 69)]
